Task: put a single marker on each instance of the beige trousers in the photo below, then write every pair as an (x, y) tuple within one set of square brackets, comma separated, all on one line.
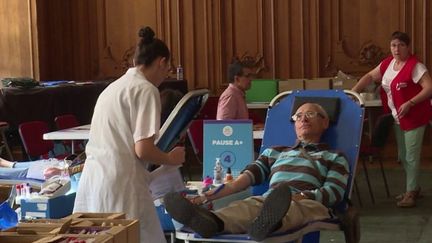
[(238, 216)]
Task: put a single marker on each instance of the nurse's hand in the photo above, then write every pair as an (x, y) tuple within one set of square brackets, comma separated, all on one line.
[(177, 156)]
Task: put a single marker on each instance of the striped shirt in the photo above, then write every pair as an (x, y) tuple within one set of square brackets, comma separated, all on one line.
[(320, 174)]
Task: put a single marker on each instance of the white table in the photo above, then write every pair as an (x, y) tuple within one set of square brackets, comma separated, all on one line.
[(74, 133), (259, 134)]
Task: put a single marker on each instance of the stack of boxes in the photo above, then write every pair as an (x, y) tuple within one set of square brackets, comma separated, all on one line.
[(263, 90), (94, 227)]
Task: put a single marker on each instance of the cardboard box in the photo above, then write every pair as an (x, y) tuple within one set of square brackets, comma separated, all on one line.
[(262, 90), (105, 238), (343, 84), (33, 229), (318, 83), (43, 221), (291, 84), (118, 233), (132, 226), (23, 238), (57, 207), (79, 215)]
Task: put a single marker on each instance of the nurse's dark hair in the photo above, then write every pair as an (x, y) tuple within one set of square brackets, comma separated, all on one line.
[(149, 48), (402, 36)]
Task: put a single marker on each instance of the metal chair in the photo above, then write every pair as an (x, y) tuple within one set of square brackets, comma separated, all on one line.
[(379, 137), (36, 147)]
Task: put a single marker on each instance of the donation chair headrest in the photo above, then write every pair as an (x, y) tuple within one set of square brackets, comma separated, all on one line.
[(330, 104)]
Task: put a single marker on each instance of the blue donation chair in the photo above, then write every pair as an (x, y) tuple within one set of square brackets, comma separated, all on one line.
[(173, 131), (344, 134)]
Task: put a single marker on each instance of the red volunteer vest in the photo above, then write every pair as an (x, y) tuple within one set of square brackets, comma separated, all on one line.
[(403, 89)]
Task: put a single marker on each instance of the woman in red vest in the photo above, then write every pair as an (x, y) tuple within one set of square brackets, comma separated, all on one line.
[(406, 93)]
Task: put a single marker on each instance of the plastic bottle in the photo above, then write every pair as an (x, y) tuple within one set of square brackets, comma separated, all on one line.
[(228, 175), (218, 172), (179, 72)]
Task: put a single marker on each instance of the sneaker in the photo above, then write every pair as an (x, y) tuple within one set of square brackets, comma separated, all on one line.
[(275, 207), (193, 216), (416, 192), (408, 201)]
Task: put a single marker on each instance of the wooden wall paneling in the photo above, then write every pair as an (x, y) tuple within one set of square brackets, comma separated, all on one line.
[(418, 29), (268, 65), (103, 61), (327, 38), (314, 39), (424, 31), (16, 42), (362, 24), (167, 33), (64, 39), (218, 45), (227, 41), (121, 31), (188, 37), (33, 31), (207, 50), (428, 36), (247, 32), (283, 19), (83, 19), (272, 61), (93, 38), (177, 35), (211, 22), (262, 36), (296, 39)]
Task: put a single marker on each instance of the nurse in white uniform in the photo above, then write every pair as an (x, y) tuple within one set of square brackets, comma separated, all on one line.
[(124, 126)]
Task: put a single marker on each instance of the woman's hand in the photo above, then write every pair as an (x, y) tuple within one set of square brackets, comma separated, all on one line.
[(404, 109), (51, 171)]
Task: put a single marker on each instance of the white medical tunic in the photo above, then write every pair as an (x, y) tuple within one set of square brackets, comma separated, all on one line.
[(114, 179)]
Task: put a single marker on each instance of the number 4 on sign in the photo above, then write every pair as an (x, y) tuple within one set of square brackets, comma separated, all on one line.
[(227, 159)]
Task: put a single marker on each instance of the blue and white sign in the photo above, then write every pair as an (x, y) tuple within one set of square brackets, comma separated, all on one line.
[(229, 140)]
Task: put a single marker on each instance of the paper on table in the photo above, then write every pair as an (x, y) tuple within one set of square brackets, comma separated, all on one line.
[(166, 179), (36, 169)]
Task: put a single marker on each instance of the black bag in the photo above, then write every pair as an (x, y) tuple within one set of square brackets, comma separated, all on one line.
[(22, 83)]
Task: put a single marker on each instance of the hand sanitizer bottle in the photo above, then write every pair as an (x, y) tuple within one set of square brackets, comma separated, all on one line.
[(179, 72), (218, 172)]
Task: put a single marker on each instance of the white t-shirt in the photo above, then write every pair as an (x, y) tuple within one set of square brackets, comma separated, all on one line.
[(388, 77)]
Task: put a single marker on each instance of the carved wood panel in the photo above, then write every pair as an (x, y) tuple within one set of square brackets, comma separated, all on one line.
[(16, 42), (79, 39)]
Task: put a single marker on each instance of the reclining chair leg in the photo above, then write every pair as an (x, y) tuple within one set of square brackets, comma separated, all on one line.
[(357, 192), (368, 181)]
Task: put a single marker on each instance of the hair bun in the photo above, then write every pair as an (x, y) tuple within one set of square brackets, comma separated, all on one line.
[(147, 34)]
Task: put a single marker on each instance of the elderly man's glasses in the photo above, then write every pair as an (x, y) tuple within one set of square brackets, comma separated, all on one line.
[(308, 114)]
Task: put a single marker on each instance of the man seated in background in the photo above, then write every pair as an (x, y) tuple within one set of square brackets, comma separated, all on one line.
[(305, 180), (232, 102)]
